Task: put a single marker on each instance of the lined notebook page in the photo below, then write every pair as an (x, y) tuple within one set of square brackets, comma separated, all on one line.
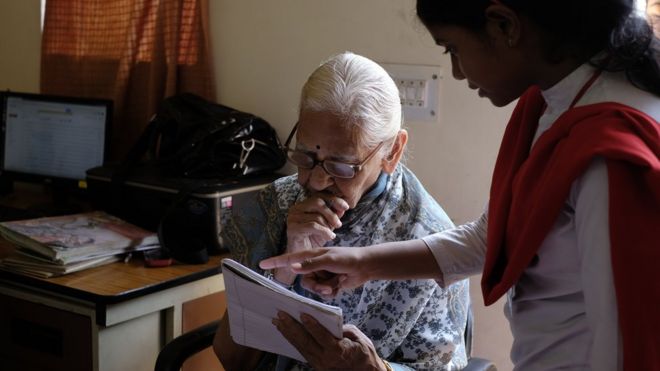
[(252, 303)]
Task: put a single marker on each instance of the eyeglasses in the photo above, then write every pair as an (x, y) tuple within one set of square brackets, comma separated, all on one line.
[(336, 169)]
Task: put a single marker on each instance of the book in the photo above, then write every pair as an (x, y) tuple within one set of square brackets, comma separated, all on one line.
[(37, 267), (74, 238), (253, 301)]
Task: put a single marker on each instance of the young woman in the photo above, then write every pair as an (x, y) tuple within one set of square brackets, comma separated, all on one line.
[(570, 233)]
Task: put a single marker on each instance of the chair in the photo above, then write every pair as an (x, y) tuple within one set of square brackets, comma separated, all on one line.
[(172, 356)]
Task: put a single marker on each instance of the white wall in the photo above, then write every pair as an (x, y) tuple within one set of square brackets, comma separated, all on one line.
[(264, 51), (20, 45)]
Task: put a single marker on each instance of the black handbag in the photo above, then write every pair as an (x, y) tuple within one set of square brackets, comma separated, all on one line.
[(194, 138), (208, 144)]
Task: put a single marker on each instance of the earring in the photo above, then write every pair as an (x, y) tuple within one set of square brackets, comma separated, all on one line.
[(509, 42)]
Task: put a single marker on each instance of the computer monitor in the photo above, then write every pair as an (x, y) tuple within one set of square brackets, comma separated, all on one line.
[(52, 139)]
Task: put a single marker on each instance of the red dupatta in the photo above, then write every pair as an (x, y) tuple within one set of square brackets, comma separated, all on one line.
[(529, 189)]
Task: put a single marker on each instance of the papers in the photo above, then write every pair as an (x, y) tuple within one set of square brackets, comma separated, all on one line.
[(253, 301)]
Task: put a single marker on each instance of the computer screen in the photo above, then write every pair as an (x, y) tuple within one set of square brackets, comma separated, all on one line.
[(52, 139)]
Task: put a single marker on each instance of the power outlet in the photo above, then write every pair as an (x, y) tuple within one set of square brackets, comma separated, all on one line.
[(419, 87)]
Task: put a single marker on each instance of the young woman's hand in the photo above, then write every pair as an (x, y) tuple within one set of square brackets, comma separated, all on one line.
[(314, 264), (351, 267), (323, 351)]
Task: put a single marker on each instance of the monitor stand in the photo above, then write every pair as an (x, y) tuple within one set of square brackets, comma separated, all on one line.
[(57, 200)]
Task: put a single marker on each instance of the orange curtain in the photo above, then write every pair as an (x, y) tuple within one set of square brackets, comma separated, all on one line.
[(135, 52)]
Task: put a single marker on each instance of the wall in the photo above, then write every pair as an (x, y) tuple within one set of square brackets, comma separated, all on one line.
[(20, 48), (264, 51)]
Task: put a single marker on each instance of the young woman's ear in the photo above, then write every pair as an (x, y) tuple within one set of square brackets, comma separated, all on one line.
[(503, 25), (396, 152)]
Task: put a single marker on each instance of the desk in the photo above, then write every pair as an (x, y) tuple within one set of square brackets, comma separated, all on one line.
[(114, 317)]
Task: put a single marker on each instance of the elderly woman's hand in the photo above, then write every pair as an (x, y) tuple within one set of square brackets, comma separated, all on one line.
[(323, 351), (310, 223)]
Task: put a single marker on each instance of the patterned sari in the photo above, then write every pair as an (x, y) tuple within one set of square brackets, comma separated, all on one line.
[(415, 324)]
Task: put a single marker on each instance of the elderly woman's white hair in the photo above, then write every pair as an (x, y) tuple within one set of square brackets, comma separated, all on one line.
[(358, 91)]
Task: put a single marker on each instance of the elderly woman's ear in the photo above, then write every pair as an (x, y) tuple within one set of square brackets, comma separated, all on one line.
[(392, 158)]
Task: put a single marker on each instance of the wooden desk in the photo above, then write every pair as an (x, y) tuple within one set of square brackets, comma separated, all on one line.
[(114, 317)]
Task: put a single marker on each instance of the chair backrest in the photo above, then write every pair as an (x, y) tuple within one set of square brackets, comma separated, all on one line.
[(469, 327), (172, 356)]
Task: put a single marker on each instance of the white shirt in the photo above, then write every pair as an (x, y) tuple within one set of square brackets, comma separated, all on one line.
[(562, 312)]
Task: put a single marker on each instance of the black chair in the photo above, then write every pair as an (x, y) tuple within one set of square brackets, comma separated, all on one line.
[(172, 356)]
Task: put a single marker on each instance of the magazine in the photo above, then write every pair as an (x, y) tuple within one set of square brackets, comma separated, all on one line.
[(78, 237), (253, 301)]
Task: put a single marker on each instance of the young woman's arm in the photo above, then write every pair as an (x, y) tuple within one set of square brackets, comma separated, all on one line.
[(589, 197), (460, 251), (355, 266)]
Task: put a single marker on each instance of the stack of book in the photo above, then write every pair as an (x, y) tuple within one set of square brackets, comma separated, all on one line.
[(53, 246)]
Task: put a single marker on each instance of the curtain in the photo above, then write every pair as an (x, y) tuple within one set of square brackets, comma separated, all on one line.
[(135, 52)]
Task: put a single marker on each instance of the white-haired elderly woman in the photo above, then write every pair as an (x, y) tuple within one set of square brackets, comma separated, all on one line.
[(351, 190)]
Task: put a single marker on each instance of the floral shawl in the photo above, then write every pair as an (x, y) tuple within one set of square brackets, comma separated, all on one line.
[(414, 323)]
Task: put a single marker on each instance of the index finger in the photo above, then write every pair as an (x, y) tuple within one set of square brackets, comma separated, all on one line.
[(291, 260)]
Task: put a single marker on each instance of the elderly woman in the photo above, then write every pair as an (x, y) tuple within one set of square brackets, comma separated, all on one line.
[(351, 190)]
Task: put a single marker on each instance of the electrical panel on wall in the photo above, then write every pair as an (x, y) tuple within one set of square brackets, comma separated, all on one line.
[(419, 87)]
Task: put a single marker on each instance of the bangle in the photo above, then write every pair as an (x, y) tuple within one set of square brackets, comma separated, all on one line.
[(269, 274), (388, 367)]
